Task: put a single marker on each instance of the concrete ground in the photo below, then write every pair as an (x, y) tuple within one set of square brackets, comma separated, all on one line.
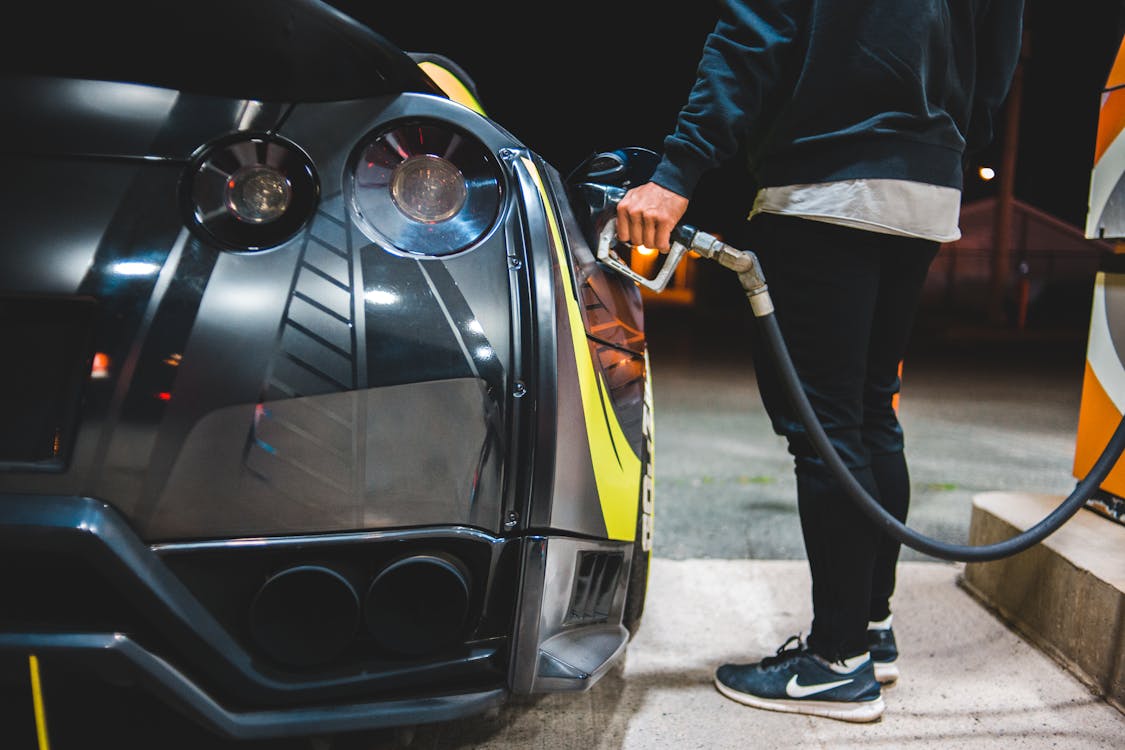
[(729, 581), (967, 681)]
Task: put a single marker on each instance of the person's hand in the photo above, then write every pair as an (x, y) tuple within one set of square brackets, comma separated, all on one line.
[(647, 215)]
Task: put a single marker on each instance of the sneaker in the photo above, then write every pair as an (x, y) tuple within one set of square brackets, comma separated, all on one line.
[(796, 681), (884, 651)]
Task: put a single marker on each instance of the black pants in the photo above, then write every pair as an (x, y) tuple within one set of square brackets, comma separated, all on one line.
[(845, 301)]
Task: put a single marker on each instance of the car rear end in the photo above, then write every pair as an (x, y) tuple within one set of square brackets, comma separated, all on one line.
[(321, 416)]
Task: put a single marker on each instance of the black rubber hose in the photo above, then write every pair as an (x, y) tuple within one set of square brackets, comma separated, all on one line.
[(898, 530)]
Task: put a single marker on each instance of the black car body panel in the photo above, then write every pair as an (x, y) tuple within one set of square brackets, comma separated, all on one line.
[(242, 456)]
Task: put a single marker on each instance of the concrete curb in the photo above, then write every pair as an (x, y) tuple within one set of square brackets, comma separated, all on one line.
[(1066, 595)]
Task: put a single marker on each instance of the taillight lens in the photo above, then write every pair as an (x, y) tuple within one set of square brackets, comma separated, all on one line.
[(251, 192), (258, 194), (428, 188), (424, 188)]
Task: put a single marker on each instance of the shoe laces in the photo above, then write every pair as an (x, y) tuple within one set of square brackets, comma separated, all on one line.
[(785, 652)]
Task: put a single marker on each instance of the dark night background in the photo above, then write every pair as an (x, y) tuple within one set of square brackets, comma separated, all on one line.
[(573, 78)]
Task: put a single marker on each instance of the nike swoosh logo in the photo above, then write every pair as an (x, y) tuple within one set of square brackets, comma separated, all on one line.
[(796, 690)]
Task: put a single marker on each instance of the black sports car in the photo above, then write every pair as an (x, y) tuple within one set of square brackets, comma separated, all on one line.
[(318, 411)]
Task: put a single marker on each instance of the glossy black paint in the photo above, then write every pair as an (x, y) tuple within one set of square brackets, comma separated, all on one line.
[(352, 319)]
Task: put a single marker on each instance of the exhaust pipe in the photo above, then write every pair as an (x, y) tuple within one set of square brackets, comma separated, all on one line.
[(418, 604), (305, 615)]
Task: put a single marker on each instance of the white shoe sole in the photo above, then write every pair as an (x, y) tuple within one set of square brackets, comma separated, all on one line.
[(886, 672), (859, 711)]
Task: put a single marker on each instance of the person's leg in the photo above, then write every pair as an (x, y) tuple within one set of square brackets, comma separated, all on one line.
[(823, 280), (904, 264), (893, 480)]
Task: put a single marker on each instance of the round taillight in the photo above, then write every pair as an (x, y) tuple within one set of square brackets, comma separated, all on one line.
[(251, 192), (424, 188)]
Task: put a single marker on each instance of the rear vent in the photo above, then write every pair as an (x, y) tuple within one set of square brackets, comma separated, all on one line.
[(45, 357), (594, 587)]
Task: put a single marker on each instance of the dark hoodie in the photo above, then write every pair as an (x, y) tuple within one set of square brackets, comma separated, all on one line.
[(823, 90)]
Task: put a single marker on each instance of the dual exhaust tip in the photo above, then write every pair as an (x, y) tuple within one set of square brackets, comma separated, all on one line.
[(309, 614)]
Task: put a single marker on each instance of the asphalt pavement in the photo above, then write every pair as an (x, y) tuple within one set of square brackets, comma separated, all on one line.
[(981, 409)]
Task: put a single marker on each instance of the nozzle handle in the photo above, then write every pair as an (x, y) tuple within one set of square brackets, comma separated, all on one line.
[(607, 241)]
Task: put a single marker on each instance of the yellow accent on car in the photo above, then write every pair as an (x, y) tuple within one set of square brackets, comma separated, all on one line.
[(37, 703), (451, 85), (617, 469)]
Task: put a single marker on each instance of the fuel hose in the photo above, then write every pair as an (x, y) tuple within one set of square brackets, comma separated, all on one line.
[(891, 525), (745, 264)]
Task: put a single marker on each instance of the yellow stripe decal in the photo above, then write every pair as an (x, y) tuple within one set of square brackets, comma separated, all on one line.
[(37, 700), (617, 469), (451, 85)]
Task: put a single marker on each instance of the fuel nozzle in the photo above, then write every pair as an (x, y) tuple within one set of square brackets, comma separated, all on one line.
[(687, 238), (742, 262)]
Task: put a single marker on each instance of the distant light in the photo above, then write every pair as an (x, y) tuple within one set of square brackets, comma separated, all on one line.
[(164, 396), (100, 367), (986, 173), (644, 250), (380, 297), (134, 268)]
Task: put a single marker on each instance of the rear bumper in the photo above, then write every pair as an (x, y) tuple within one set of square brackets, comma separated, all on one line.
[(546, 618), (117, 655), (153, 632)]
